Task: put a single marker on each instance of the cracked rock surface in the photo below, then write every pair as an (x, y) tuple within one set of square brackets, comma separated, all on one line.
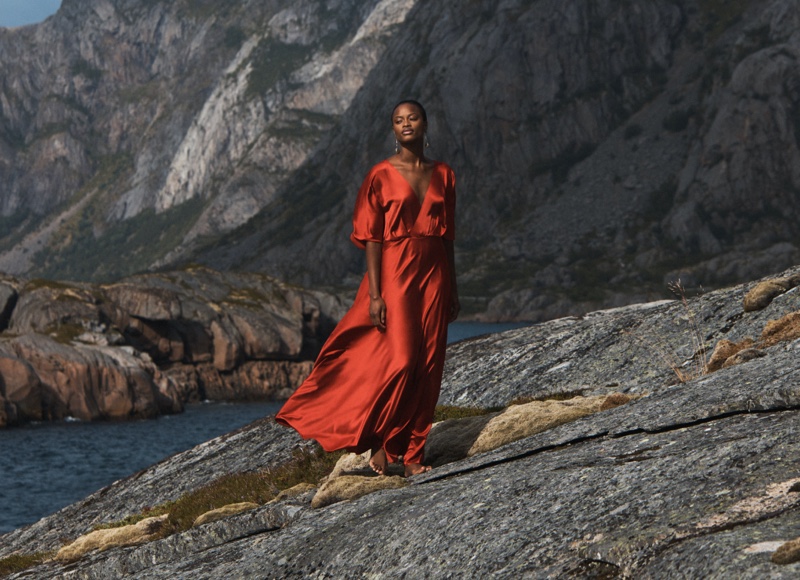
[(693, 480)]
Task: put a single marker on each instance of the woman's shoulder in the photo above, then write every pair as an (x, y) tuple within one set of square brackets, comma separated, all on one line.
[(443, 167), (379, 169)]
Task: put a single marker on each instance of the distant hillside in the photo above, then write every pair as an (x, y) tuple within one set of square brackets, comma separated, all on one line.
[(601, 149)]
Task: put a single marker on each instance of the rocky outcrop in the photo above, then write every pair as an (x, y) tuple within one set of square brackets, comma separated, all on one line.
[(90, 383), (148, 344), (682, 476)]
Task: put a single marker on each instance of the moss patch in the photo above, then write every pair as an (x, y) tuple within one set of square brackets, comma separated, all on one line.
[(258, 487), (83, 254), (19, 562), (65, 333), (445, 412)]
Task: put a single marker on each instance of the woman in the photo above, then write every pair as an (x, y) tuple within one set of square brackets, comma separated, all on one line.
[(376, 381)]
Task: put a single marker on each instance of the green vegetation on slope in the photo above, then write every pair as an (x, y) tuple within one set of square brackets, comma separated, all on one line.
[(124, 248)]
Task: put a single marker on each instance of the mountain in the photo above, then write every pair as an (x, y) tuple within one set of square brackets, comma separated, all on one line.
[(603, 150)]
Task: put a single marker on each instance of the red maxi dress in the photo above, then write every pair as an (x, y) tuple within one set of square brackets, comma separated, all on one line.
[(372, 389)]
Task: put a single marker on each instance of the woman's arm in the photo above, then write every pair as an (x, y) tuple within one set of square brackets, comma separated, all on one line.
[(377, 307), (455, 305)]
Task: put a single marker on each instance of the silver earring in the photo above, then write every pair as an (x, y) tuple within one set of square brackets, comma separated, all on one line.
[(427, 143), (396, 146)]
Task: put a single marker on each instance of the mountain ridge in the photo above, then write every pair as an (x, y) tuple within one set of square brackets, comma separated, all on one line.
[(601, 151)]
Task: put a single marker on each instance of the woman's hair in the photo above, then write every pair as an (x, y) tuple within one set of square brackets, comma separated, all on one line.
[(411, 102)]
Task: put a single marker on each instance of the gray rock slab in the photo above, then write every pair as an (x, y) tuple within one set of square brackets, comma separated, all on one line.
[(630, 349), (617, 504)]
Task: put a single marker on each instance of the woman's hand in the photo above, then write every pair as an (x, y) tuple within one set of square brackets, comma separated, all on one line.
[(455, 306), (377, 313)]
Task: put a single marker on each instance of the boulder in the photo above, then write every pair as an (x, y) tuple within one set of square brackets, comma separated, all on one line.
[(200, 315), (58, 309), (217, 336), (94, 382), (21, 387)]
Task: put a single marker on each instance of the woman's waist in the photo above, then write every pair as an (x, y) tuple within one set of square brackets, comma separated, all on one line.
[(412, 238)]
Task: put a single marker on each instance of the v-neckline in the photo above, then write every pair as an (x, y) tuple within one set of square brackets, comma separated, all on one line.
[(420, 202)]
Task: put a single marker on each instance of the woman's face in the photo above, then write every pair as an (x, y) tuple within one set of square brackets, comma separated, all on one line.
[(407, 123)]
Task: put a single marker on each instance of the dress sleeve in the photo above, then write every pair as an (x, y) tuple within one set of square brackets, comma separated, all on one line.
[(367, 215), (450, 207)]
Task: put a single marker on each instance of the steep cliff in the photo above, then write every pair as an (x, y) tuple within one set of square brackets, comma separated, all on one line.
[(130, 127), (602, 149)]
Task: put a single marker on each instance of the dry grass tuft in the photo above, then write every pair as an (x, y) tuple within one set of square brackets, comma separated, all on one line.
[(699, 366), (666, 354), (615, 400), (224, 512), (743, 356), (727, 353), (294, 492), (520, 421), (724, 350), (788, 553), (762, 295), (782, 330), (256, 487), (139, 533), (565, 396), (350, 487)]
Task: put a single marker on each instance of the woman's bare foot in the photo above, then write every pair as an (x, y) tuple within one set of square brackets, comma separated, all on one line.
[(416, 469), (378, 462)]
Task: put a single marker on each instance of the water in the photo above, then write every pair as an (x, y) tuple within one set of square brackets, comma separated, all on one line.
[(48, 466), (461, 330)]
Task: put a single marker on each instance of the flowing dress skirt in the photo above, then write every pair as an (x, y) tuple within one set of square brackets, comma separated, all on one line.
[(372, 389)]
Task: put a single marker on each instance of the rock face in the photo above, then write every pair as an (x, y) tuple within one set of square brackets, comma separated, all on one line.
[(692, 479), (150, 343), (601, 149)]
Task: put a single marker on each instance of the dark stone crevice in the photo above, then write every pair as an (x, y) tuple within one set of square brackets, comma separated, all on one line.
[(605, 434)]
